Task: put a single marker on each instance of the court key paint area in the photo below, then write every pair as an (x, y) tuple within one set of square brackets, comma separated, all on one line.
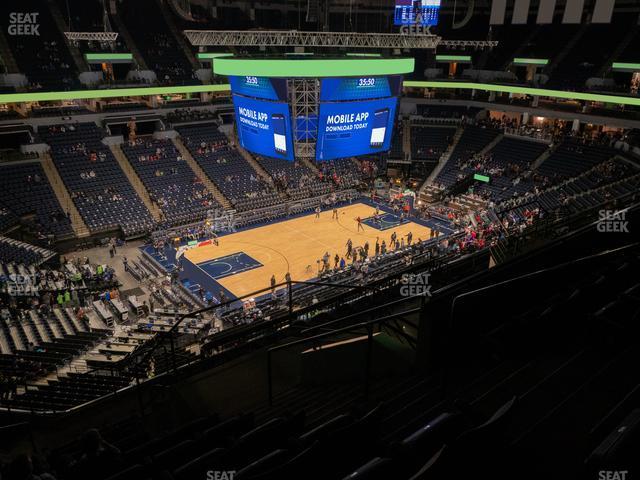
[(245, 261), (230, 265)]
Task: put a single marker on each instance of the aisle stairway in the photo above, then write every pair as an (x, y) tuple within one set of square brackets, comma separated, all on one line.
[(252, 161), (443, 159), (65, 200), (217, 194), (135, 182), (406, 139)]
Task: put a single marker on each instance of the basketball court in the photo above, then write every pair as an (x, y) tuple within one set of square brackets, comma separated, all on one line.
[(244, 261)]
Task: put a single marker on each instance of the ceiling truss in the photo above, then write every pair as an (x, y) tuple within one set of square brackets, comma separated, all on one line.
[(92, 36), (293, 38)]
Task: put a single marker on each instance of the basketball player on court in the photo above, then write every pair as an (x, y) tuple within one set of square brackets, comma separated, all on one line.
[(360, 227)]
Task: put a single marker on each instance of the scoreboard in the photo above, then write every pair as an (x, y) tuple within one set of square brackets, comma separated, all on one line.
[(355, 116), (421, 12)]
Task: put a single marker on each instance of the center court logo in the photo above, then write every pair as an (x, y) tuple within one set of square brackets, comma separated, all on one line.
[(24, 24), (413, 285)]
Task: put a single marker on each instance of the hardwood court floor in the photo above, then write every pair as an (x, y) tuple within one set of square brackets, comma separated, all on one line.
[(295, 244)]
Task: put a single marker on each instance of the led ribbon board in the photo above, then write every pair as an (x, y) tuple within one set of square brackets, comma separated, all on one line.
[(313, 67)]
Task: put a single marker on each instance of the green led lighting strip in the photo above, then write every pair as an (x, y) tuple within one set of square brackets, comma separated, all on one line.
[(631, 67), (137, 92), (530, 61), (110, 93), (339, 67), (109, 57), (540, 92), (453, 58), (212, 55)]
